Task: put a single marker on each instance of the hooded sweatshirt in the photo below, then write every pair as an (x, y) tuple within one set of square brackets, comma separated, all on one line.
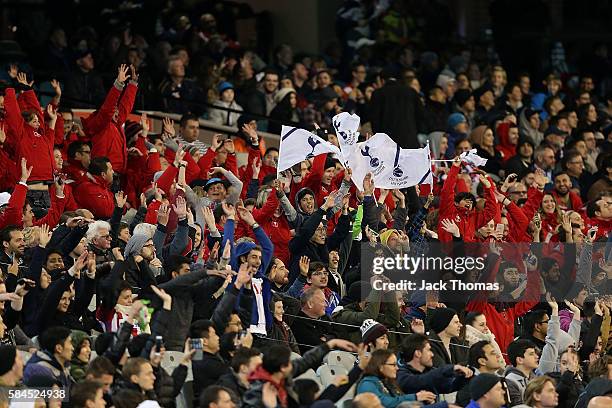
[(507, 149)]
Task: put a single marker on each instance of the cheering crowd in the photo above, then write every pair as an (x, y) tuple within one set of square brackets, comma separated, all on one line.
[(121, 246)]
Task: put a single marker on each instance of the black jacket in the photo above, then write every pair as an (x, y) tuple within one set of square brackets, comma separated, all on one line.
[(230, 380), (207, 371), (396, 109), (458, 350), (301, 245), (310, 332)]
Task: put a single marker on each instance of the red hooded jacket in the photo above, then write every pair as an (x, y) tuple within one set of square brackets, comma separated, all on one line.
[(277, 228), (36, 146), (506, 149), (466, 220), (107, 136)]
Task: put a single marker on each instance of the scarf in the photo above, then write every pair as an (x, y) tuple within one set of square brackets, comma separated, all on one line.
[(262, 375)]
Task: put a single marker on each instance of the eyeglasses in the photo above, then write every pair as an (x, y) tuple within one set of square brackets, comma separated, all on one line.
[(105, 237), (321, 229)]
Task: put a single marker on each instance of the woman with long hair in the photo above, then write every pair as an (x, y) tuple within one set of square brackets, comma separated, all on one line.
[(285, 112), (379, 378), (482, 138), (551, 216), (541, 393)]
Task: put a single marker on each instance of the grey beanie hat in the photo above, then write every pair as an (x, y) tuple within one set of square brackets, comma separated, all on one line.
[(135, 244)]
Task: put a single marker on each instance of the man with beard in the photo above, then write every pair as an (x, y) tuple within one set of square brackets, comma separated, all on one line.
[(13, 246), (544, 158), (257, 259), (536, 326), (501, 315), (139, 251), (565, 197), (573, 165), (278, 274)]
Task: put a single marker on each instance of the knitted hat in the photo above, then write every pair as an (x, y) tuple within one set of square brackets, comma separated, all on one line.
[(223, 86), (371, 330), (481, 384), (330, 162), (462, 96), (384, 237), (7, 358), (135, 244), (454, 119), (131, 129), (441, 318)]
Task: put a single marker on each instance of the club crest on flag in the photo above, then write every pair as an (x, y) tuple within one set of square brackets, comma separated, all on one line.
[(313, 143), (374, 162)]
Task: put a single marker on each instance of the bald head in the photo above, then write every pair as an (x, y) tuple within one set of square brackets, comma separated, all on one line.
[(368, 400), (600, 402)]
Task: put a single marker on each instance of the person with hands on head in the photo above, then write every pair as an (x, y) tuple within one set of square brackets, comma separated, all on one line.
[(59, 308)]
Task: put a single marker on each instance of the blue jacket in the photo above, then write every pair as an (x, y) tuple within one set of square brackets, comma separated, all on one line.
[(42, 364), (441, 380), (387, 397)]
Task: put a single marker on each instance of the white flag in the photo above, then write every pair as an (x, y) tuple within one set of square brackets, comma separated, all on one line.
[(297, 145), (391, 166), (346, 126), (472, 158)]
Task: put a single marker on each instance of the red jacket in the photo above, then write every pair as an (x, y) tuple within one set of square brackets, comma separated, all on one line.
[(277, 228), (605, 226), (574, 199), (140, 172), (466, 220), (35, 145), (13, 213), (313, 180), (75, 171), (506, 149), (208, 160), (107, 136), (94, 195), (501, 323), (8, 171)]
